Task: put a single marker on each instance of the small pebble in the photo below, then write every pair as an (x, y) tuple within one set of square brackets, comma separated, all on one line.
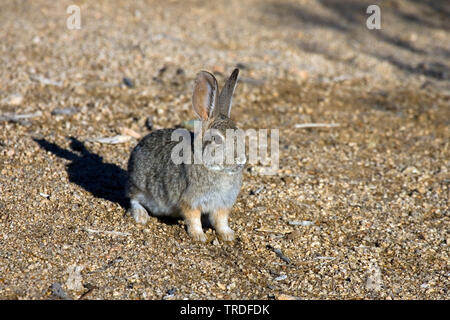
[(294, 235), (281, 277), (303, 223), (65, 111), (14, 99), (286, 297), (128, 82), (149, 123), (170, 294), (241, 66), (279, 253), (58, 291)]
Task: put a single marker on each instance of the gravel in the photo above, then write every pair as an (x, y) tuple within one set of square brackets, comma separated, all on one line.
[(376, 186)]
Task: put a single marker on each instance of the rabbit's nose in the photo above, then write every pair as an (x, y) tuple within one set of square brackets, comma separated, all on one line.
[(241, 159)]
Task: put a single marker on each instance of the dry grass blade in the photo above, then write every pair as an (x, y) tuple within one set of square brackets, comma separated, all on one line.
[(18, 117), (111, 140), (114, 233), (316, 125)]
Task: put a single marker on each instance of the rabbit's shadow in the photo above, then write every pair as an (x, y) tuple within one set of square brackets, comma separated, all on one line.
[(89, 171), (101, 179)]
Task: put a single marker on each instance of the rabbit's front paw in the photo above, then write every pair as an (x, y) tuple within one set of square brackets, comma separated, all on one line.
[(226, 233), (138, 212), (197, 234), (219, 220), (193, 222)]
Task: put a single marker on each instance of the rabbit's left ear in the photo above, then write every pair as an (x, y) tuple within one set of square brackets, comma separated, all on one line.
[(205, 96), (226, 95)]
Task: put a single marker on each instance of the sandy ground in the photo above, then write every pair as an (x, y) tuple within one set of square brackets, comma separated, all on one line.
[(358, 211)]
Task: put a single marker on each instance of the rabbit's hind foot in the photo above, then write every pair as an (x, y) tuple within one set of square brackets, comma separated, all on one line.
[(138, 212)]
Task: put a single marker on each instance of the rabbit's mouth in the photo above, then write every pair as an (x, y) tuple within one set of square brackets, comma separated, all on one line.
[(235, 169), (227, 170)]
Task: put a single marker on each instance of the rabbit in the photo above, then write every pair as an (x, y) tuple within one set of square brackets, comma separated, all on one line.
[(158, 186)]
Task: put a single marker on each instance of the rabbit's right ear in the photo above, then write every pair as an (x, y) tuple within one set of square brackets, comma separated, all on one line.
[(205, 98), (226, 95)]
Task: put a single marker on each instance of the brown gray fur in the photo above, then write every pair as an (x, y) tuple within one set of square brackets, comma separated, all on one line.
[(158, 186)]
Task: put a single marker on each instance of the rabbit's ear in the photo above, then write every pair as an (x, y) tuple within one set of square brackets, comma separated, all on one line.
[(205, 96), (226, 95)]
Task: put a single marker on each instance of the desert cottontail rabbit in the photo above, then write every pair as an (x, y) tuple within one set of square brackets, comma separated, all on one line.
[(158, 186)]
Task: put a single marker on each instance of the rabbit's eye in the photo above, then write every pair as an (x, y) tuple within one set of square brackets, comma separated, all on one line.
[(217, 139)]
